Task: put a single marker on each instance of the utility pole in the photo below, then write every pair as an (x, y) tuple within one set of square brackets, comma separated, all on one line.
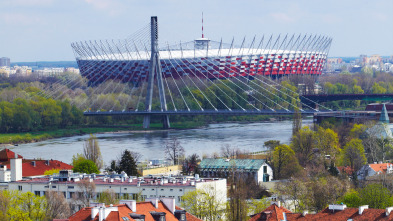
[(155, 73)]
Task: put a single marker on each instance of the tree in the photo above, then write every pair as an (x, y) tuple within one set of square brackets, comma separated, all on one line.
[(353, 154), (271, 144), (86, 166), (293, 192), (297, 122), (127, 164), (190, 164), (303, 145), (204, 203), (77, 159), (376, 196), (174, 150), (91, 151), (108, 197), (86, 192), (51, 172), (22, 206), (57, 206), (351, 199), (327, 142), (284, 162)]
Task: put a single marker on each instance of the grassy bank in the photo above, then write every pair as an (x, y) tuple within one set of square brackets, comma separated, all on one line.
[(18, 138)]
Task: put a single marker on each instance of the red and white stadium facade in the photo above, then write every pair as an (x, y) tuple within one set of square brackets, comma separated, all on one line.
[(203, 58)]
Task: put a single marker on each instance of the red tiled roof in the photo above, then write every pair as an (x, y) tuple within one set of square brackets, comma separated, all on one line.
[(143, 208), (28, 169), (379, 167), (272, 213), (345, 169), (326, 215), (7, 155)]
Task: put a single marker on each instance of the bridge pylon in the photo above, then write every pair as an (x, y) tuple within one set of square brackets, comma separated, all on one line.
[(155, 74)]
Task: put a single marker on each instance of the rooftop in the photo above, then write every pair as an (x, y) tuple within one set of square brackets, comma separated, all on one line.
[(245, 164)]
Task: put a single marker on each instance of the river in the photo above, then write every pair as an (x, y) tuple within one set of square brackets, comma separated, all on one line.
[(207, 140)]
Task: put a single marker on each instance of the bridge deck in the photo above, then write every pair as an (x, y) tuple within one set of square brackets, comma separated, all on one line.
[(198, 112)]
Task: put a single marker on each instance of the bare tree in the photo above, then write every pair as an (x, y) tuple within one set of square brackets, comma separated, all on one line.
[(174, 150), (228, 151), (57, 206), (87, 192), (91, 151)]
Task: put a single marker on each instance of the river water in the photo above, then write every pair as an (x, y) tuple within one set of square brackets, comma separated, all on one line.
[(245, 136)]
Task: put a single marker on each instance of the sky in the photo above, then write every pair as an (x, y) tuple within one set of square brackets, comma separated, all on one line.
[(42, 30)]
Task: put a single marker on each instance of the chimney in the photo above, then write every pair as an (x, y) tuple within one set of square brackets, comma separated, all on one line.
[(16, 169), (154, 201), (305, 212), (130, 180), (278, 203), (389, 210), (169, 203), (130, 203), (94, 212), (362, 208), (337, 207)]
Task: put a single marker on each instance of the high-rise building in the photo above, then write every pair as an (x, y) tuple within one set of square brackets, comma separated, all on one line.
[(4, 61)]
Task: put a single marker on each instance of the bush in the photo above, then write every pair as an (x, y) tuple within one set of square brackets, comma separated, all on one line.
[(86, 166)]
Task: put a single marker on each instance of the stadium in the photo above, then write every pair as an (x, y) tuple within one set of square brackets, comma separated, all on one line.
[(128, 60)]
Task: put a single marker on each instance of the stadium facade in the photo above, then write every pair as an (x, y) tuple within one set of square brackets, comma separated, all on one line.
[(128, 61)]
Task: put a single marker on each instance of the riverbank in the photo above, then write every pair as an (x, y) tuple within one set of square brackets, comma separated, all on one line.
[(31, 137)]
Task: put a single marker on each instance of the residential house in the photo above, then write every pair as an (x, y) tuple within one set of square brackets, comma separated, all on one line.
[(163, 209), (256, 168)]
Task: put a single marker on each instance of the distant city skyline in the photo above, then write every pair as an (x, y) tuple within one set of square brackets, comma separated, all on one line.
[(42, 30)]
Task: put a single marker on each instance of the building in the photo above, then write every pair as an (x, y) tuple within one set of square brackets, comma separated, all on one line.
[(333, 212), (4, 61), (70, 184), (30, 167), (256, 168), (162, 209), (374, 169), (203, 58)]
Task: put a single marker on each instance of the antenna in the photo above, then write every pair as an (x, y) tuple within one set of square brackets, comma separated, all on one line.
[(202, 26)]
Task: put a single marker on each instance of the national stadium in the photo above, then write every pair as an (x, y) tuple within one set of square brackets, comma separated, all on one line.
[(128, 60)]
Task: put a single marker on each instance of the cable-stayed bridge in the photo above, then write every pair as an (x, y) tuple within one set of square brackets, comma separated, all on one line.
[(201, 77)]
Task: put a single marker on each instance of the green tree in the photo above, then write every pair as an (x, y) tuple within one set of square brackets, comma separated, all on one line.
[(376, 196), (77, 159), (326, 140), (108, 197), (351, 199), (303, 145), (86, 166), (284, 162), (127, 164), (353, 154), (377, 89), (205, 203)]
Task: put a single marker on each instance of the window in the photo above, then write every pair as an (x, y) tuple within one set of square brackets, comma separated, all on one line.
[(162, 189), (46, 186), (180, 190), (125, 188), (37, 193), (70, 187), (143, 189), (126, 196), (53, 187), (152, 189), (264, 169), (125, 218), (20, 188), (171, 190), (71, 194), (117, 195)]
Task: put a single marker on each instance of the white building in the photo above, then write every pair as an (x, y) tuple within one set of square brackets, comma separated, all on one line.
[(123, 186), (257, 168), (370, 170)]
